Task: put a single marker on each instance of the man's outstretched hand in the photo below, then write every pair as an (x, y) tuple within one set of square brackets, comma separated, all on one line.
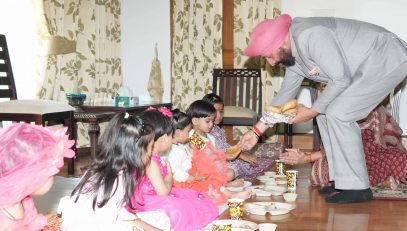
[(303, 114)]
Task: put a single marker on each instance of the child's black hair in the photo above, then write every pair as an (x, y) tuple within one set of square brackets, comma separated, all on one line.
[(161, 123), (179, 120), (121, 154), (200, 109), (212, 98)]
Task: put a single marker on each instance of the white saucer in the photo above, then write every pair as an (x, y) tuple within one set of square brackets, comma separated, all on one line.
[(276, 193), (274, 208), (263, 193), (256, 188), (282, 189), (240, 188)]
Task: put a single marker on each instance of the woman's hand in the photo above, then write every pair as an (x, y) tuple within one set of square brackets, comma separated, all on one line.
[(250, 158), (294, 157), (231, 156), (303, 114), (248, 140)]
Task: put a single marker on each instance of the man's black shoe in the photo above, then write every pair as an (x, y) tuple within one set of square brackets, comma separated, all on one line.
[(350, 196), (327, 189)]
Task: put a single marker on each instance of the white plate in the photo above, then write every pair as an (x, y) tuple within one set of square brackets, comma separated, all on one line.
[(281, 182), (256, 188), (274, 208), (270, 183), (270, 173), (264, 178), (262, 193), (282, 189), (237, 225), (240, 188), (276, 193)]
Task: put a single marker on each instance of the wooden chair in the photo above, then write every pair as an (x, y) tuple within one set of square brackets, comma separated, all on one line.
[(235, 86), (241, 91), (37, 111), (288, 128)]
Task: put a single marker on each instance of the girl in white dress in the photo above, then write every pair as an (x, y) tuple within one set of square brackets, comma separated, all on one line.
[(97, 202)]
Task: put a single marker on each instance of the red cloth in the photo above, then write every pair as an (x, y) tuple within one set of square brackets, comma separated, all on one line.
[(383, 162)]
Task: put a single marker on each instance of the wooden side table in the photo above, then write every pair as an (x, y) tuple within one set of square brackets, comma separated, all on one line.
[(96, 114), (93, 119)]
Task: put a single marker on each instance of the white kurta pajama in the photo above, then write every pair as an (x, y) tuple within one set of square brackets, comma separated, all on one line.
[(360, 63)]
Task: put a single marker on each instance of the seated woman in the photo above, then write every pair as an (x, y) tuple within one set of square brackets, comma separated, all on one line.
[(245, 165), (386, 158)]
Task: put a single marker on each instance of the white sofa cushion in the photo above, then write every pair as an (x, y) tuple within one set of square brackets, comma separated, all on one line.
[(233, 111), (39, 107)]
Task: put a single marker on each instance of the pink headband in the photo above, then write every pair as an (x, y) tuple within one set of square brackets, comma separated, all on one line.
[(30, 154), (268, 36)]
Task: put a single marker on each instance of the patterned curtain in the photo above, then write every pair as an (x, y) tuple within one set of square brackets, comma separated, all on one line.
[(80, 43), (197, 49), (248, 14)]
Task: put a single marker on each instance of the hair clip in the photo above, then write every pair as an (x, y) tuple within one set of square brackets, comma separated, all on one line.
[(126, 115), (151, 108), (165, 111)]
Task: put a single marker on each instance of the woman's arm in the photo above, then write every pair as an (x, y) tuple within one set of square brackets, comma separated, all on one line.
[(250, 138), (296, 156), (250, 158), (162, 185)]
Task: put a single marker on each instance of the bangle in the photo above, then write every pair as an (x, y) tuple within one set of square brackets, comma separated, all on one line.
[(309, 157), (257, 131), (257, 135)]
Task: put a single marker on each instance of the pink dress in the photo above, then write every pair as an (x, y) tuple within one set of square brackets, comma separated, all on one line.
[(187, 209)]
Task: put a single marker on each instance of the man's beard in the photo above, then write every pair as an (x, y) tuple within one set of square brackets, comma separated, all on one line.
[(286, 58)]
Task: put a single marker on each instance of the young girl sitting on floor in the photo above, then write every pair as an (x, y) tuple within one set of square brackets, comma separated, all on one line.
[(30, 157), (207, 161), (187, 209), (97, 202), (246, 165)]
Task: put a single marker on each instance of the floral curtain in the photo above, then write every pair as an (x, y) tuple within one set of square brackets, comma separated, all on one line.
[(197, 49), (248, 14), (80, 43)]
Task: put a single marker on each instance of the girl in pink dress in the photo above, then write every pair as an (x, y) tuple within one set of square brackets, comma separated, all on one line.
[(187, 209), (98, 201), (30, 156)]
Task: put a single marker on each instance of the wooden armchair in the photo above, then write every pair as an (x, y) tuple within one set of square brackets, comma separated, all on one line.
[(241, 91), (37, 111)]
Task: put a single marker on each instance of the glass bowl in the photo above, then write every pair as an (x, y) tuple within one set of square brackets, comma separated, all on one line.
[(76, 99)]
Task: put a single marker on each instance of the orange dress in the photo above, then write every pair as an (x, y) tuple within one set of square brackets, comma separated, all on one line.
[(211, 164)]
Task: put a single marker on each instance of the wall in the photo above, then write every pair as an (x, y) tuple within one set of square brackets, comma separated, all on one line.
[(389, 14), (17, 25), (145, 23)]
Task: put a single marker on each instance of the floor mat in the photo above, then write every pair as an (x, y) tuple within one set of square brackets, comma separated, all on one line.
[(381, 193)]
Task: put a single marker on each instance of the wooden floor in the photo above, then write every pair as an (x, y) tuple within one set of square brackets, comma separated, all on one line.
[(313, 213)]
